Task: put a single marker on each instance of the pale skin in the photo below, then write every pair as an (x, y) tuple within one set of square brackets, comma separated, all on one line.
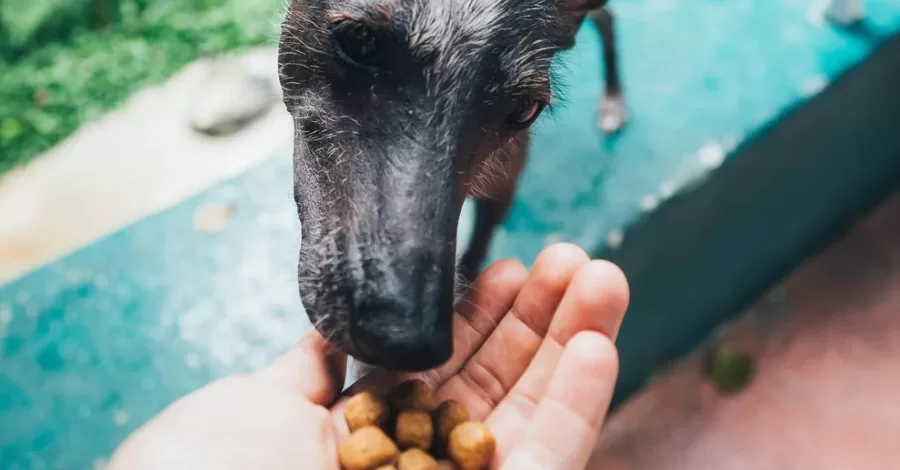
[(534, 358)]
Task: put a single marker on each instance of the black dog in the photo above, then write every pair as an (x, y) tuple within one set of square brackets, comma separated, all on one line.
[(402, 109)]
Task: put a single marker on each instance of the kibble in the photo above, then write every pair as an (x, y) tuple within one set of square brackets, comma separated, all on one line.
[(417, 426), (367, 448), (413, 429), (447, 416), (416, 459), (412, 395), (471, 446), (366, 409)]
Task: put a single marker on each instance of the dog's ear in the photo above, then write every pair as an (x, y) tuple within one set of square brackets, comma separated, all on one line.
[(576, 10)]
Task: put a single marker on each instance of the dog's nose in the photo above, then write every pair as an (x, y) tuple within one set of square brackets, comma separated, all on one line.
[(395, 349), (402, 335)]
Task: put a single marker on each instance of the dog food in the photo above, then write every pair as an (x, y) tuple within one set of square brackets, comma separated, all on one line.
[(416, 459), (412, 395), (366, 409), (413, 429), (417, 425), (367, 448), (446, 417), (471, 445)]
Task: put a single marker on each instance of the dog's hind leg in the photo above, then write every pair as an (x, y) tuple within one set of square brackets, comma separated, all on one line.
[(612, 113)]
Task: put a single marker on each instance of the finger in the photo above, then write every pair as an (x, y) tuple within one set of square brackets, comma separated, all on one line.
[(311, 368), (567, 421), (492, 371), (478, 314), (596, 300)]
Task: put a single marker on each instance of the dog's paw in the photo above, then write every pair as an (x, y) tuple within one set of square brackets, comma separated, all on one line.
[(844, 13), (612, 114)]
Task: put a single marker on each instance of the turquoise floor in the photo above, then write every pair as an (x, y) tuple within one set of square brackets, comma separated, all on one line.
[(94, 344)]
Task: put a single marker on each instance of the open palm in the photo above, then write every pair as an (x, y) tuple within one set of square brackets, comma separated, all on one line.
[(534, 358)]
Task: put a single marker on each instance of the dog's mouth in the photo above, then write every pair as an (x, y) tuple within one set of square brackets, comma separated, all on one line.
[(388, 356), (384, 337)]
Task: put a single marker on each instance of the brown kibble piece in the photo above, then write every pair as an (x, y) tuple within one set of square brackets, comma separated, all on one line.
[(413, 429), (416, 459), (471, 446), (447, 416), (367, 448), (366, 409), (412, 395)]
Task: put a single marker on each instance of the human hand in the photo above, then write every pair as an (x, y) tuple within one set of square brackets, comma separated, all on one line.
[(534, 358)]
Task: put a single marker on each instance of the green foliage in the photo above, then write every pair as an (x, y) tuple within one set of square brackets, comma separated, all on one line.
[(54, 78), (25, 23)]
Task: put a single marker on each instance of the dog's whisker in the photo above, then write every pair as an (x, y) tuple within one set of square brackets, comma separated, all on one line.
[(478, 315)]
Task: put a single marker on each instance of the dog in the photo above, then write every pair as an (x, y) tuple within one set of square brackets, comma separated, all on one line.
[(402, 109)]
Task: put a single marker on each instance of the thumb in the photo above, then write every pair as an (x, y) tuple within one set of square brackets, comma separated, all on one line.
[(311, 368)]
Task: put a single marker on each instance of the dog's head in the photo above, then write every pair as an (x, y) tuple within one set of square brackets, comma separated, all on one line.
[(398, 105)]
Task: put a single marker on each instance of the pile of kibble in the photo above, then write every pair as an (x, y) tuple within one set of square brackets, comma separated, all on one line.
[(409, 430)]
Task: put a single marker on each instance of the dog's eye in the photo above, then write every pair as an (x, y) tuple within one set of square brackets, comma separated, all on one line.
[(525, 114), (356, 43)]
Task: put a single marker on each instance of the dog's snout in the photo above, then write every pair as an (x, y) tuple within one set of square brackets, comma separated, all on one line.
[(403, 347), (404, 324)]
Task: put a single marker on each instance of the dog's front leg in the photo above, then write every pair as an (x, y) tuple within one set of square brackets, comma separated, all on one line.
[(845, 13), (489, 213), (493, 191)]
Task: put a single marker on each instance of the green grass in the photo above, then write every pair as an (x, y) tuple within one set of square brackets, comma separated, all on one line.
[(64, 63)]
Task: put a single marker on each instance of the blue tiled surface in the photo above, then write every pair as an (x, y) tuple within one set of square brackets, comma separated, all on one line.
[(93, 345)]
